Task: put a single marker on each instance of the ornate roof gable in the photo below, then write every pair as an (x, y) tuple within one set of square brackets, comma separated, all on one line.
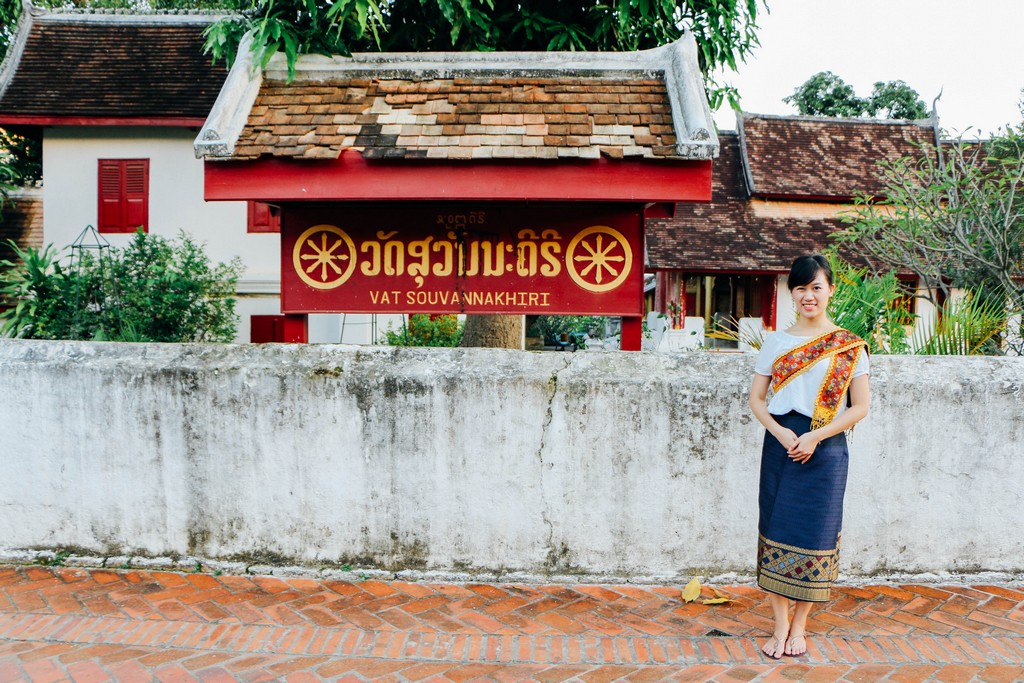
[(530, 105)]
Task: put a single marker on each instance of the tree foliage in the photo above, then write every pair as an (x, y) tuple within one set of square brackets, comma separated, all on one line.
[(725, 30), (10, 10), (896, 100), (867, 304), (426, 330), (153, 290), (9, 178), (826, 94), (553, 327), (955, 219)]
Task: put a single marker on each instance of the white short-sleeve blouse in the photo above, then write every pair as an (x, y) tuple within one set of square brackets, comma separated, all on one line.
[(802, 391)]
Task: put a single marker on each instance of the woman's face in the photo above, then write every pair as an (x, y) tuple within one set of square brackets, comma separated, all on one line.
[(811, 300)]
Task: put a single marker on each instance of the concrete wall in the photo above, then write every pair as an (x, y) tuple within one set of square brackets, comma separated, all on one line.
[(605, 464)]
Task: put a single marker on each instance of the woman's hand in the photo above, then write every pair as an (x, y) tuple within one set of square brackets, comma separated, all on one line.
[(786, 437), (803, 447)]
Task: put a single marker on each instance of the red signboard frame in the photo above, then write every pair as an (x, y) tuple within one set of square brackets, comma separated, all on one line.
[(481, 257)]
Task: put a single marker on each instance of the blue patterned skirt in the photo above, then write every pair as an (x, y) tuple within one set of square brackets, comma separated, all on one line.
[(801, 515)]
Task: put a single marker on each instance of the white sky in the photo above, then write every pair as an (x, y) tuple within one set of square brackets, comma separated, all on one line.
[(972, 51)]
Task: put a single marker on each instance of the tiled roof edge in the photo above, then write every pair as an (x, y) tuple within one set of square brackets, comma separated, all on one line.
[(81, 15), (920, 123), (741, 143), (16, 49), (230, 111), (676, 63)]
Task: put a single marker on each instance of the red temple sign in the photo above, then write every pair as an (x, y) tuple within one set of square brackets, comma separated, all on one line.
[(485, 258)]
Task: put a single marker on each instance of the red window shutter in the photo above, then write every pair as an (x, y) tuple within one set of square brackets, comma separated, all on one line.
[(263, 218), (123, 195), (136, 195), (110, 196)]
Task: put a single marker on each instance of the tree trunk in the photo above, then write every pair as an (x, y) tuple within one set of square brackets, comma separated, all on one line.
[(493, 331)]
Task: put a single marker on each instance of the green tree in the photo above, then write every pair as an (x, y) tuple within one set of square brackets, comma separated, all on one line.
[(426, 330), (826, 94), (725, 30), (21, 156), (8, 178), (955, 219), (10, 10), (154, 289), (896, 100)]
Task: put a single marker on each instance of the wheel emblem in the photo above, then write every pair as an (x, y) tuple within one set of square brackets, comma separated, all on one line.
[(599, 258), (324, 257)]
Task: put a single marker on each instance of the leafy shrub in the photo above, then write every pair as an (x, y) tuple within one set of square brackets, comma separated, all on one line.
[(154, 289), (552, 327), (423, 330)]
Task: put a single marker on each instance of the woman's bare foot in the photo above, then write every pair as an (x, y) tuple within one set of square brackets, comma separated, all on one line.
[(775, 647), (796, 645)]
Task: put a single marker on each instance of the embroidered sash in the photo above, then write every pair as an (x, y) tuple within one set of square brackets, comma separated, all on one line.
[(843, 347)]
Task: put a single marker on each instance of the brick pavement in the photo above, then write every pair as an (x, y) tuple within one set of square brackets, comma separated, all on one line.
[(68, 624)]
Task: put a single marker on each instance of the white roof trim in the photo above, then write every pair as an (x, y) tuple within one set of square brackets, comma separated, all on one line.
[(676, 63), (227, 118), (16, 49)]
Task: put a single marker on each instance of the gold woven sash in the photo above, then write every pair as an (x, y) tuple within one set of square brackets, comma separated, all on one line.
[(844, 349)]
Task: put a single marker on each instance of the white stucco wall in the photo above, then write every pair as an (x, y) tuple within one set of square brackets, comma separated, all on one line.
[(479, 459), (176, 203), (785, 312)]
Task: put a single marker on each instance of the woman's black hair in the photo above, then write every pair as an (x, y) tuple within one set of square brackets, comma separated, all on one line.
[(806, 268)]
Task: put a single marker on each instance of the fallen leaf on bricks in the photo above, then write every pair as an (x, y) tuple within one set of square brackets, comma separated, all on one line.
[(692, 591), (719, 598)]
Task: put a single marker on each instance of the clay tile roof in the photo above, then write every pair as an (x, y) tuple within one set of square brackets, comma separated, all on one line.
[(76, 65), (817, 158), (466, 106), (462, 118), (730, 234)]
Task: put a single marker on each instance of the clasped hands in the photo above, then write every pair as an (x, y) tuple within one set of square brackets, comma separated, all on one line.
[(799, 448)]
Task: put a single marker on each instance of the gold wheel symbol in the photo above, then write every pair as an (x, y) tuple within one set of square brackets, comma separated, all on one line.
[(324, 257), (599, 258)]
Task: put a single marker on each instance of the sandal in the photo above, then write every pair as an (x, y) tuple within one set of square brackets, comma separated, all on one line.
[(794, 650), (774, 648)]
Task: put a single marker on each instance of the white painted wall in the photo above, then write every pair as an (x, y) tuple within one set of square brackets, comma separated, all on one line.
[(785, 312), (176, 203), (610, 464)]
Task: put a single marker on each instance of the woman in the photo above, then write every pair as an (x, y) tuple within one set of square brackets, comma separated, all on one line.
[(810, 385)]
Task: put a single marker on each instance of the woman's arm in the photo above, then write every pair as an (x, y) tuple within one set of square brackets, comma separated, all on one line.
[(758, 401), (860, 401)]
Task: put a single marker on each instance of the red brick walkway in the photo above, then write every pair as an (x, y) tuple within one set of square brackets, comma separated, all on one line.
[(62, 624)]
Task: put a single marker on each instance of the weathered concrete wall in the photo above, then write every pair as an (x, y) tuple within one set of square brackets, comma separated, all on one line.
[(609, 464)]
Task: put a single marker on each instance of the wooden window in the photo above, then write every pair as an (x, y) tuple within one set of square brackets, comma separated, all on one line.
[(264, 217), (123, 195)]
